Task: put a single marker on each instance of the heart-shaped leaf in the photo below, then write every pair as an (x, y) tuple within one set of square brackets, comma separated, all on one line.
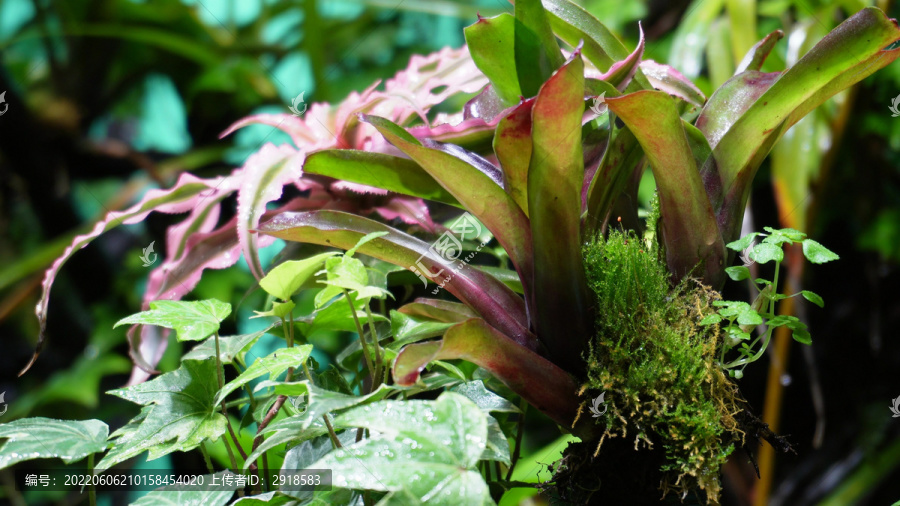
[(192, 320)]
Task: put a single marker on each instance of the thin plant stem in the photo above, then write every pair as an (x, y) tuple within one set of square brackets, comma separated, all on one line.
[(520, 424), (220, 375), (92, 489), (334, 439), (362, 336), (206, 459), (379, 360)]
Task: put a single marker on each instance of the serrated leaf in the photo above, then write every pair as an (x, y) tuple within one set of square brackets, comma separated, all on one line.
[(184, 413), (765, 252), (427, 448), (486, 400), (229, 347), (191, 320), (273, 365), (738, 272), (180, 495), (816, 253), (45, 438), (286, 278), (813, 297)]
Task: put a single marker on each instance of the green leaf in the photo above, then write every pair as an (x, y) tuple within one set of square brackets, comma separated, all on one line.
[(689, 230), (45, 438), (218, 495), (286, 278), (286, 431), (429, 449), (273, 365), (816, 253), (851, 52), (491, 43), (813, 297), (409, 329), (392, 173), (801, 335), (536, 52), (749, 317), (555, 178), (363, 240), (192, 320), (738, 273), (486, 400), (229, 347), (497, 446), (765, 252), (184, 413), (744, 242), (336, 316), (279, 310), (710, 319)]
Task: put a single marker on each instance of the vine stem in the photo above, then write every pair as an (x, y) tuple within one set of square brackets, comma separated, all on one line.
[(220, 376), (362, 337), (209, 466)]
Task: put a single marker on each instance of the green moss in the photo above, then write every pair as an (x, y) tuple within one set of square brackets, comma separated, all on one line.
[(657, 365)]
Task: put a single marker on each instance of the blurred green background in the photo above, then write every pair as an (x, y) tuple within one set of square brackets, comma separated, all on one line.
[(106, 99)]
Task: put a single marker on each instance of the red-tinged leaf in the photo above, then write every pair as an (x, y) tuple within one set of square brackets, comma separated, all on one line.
[(621, 72), (555, 177), (472, 133), (496, 303), (487, 105), (577, 26), (491, 42), (185, 195), (440, 310), (665, 78), (409, 210), (392, 173), (265, 174), (688, 225), (757, 55), (474, 189), (512, 145), (851, 52), (537, 53), (544, 385), (618, 163)]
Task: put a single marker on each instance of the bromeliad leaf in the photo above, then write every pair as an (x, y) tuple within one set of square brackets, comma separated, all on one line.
[(183, 415), (492, 45), (192, 320), (273, 365), (429, 449), (45, 438)]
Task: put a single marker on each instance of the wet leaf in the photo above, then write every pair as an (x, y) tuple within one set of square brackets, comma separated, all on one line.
[(192, 320), (44, 438)]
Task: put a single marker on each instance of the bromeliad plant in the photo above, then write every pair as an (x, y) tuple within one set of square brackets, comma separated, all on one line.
[(548, 153)]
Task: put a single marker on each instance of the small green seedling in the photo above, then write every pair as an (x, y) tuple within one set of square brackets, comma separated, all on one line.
[(738, 318)]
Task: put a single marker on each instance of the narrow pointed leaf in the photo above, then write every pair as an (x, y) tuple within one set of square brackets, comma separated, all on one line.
[(555, 177), (688, 229), (851, 52), (536, 51), (573, 24), (619, 161), (621, 72), (544, 385), (499, 305), (491, 42), (757, 55), (45, 438), (475, 190), (666, 78), (392, 173), (440, 310)]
